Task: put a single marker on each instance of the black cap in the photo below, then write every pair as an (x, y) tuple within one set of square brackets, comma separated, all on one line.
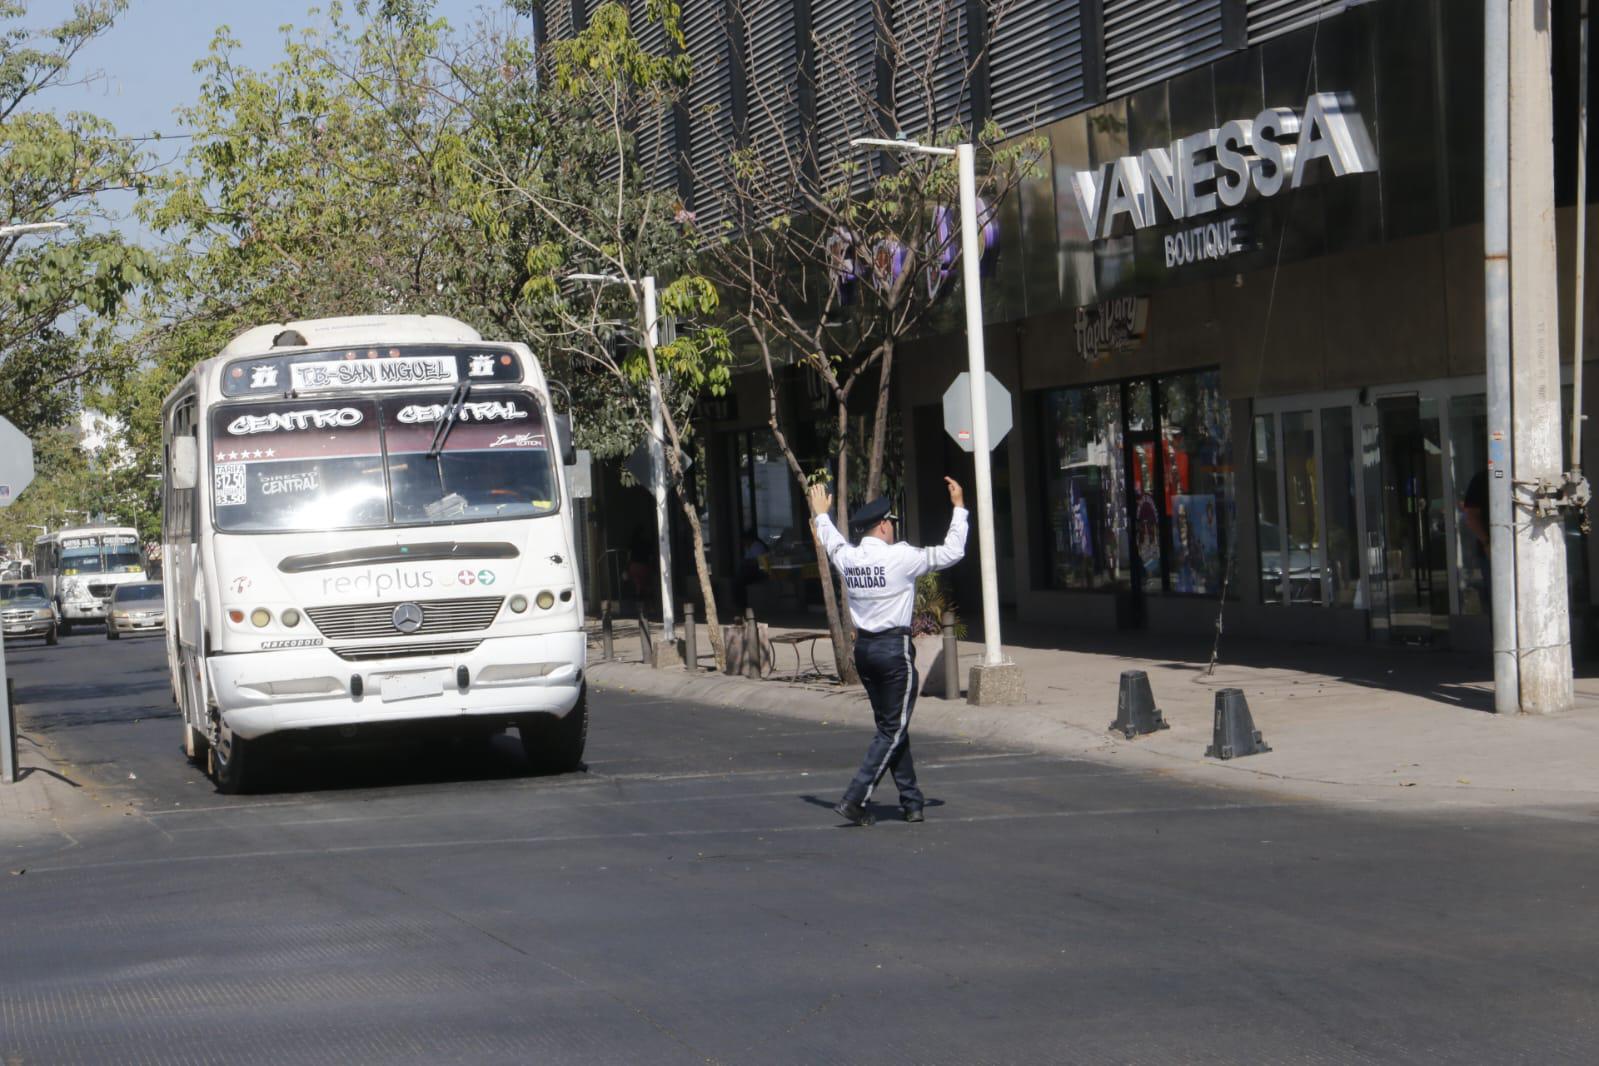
[(870, 514)]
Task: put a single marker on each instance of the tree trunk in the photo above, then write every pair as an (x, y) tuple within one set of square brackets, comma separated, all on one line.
[(846, 623), (703, 570), (874, 467)]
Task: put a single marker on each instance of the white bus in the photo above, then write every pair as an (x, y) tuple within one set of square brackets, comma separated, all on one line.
[(366, 522), (81, 566)]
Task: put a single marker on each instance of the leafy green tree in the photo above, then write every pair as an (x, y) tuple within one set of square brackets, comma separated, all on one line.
[(61, 295), (577, 199)]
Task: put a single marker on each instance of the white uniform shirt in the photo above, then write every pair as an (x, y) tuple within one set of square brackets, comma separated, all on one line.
[(881, 577)]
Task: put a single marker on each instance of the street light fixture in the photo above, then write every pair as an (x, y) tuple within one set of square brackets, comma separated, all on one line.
[(1005, 683), (646, 298), (20, 228)]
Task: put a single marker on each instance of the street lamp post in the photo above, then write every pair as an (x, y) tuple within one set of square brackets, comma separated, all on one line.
[(20, 228), (996, 680), (646, 300)]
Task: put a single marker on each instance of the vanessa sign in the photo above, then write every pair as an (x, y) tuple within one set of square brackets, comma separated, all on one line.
[(1223, 168)]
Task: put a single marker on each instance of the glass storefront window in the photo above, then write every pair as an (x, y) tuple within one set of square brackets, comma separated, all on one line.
[(1267, 520), (1301, 503), (1196, 451), (1084, 486), (1343, 537), (1139, 485)]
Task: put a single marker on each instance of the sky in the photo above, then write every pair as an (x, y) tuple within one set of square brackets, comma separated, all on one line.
[(148, 57)]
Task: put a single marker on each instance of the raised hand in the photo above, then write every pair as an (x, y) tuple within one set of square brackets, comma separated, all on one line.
[(956, 496), (821, 499)]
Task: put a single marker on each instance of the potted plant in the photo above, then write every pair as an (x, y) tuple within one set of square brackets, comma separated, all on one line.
[(927, 631)]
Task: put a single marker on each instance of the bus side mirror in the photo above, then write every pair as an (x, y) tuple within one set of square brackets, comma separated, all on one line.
[(185, 463), (563, 437)]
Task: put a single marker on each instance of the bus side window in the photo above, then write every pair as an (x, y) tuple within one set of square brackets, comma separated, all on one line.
[(179, 521)]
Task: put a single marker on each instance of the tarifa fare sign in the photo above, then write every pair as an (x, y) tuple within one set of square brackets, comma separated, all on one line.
[(1222, 168)]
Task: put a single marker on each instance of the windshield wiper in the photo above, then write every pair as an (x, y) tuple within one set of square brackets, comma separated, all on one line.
[(447, 423)]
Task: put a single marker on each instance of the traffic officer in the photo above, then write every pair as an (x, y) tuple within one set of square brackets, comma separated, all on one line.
[(880, 575)]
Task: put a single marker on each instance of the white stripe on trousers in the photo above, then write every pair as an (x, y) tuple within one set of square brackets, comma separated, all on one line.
[(904, 711)]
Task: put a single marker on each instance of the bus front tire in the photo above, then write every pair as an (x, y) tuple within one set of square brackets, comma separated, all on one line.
[(66, 628), (235, 765), (111, 632), (555, 745)]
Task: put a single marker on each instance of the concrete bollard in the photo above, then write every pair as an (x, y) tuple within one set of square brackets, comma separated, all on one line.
[(691, 654), (606, 633), (952, 666), (752, 645)]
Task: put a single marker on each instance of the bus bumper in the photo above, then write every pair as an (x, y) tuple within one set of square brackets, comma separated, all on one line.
[(83, 611), (306, 688)]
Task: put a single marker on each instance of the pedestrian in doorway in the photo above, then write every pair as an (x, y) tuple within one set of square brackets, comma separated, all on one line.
[(880, 573)]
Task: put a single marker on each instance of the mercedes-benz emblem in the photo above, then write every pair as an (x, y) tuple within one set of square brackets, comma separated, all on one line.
[(408, 618)]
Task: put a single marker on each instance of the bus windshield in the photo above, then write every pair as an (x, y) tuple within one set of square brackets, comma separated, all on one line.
[(345, 463), (494, 463), (110, 554)]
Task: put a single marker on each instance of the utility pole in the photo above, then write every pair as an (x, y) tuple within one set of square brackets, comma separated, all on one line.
[(1543, 630)]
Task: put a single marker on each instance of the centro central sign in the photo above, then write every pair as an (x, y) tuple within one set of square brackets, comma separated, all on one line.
[(1222, 168)]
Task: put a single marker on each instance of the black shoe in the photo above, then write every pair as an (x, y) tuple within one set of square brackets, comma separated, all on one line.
[(853, 812), (913, 814)]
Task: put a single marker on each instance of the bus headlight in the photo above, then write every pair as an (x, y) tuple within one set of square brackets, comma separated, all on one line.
[(545, 600), (290, 618), (518, 603), (260, 618)]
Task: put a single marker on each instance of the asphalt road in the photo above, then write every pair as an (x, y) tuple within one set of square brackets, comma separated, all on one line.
[(690, 898)]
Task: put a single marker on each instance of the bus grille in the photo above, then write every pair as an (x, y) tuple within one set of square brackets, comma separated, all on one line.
[(360, 653), (99, 590), (371, 620)]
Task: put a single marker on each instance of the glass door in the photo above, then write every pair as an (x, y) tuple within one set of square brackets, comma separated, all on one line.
[(1412, 520)]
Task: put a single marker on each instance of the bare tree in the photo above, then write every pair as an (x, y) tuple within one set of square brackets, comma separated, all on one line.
[(832, 257)]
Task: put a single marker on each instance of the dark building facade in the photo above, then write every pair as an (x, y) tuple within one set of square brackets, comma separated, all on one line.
[(1240, 317)]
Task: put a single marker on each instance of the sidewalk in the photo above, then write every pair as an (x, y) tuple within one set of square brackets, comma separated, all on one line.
[(1365, 725)]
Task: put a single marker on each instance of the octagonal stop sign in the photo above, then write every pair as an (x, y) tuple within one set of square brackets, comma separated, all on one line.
[(958, 411), (16, 462)]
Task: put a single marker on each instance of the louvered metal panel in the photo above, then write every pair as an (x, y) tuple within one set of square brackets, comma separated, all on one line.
[(1269, 18), (1151, 40), (710, 107), (372, 620), (558, 20), (844, 39), (655, 131), (932, 93), (1035, 64), (772, 98)]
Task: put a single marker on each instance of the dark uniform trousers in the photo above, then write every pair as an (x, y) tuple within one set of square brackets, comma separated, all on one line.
[(887, 665)]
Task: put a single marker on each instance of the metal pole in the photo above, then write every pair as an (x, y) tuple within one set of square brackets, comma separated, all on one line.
[(606, 635), (1543, 633), (8, 727), (971, 259), (663, 525), (691, 653), (952, 665), (1579, 294), (1496, 280)]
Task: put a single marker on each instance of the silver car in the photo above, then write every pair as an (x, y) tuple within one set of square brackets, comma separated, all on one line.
[(26, 612), (137, 607)]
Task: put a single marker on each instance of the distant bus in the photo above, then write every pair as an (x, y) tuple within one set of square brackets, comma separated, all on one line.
[(366, 522), (80, 567)]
